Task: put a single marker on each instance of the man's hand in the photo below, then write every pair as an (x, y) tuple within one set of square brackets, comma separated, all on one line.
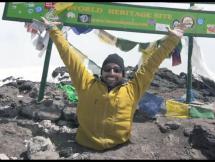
[(178, 30)]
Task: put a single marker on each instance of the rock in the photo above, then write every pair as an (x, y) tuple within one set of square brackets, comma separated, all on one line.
[(171, 140), (33, 93), (39, 143), (59, 104), (9, 111), (61, 74), (48, 102), (44, 155), (183, 75), (170, 125), (65, 129), (6, 100), (69, 113), (46, 123), (56, 115), (4, 157), (57, 97), (25, 101), (59, 70), (52, 113), (66, 152), (12, 84), (48, 127), (30, 124), (8, 78), (39, 147), (173, 125), (62, 123), (205, 92), (26, 86), (13, 158), (155, 83), (78, 156), (210, 84), (170, 76), (196, 154), (163, 128), (41, 112), (1, 96), (29, 111), (203, 138), (187, 132), (12, 137)]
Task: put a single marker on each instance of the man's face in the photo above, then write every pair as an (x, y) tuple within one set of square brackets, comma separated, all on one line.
[(112, 74)]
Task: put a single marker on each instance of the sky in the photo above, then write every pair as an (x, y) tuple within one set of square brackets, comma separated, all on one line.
[(19, 57)]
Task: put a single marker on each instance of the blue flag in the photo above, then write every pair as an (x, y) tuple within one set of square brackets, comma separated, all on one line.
[(81, 30)]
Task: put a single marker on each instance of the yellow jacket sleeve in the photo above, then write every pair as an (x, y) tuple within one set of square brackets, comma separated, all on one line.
[(150, 64), (72, 59)]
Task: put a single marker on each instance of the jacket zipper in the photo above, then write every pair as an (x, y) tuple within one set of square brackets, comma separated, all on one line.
[(104, 115)]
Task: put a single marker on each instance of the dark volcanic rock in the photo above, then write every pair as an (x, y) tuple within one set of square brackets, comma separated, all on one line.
[(41, 112), (26, 86), (171, 77), (53, 122), (203, 138)]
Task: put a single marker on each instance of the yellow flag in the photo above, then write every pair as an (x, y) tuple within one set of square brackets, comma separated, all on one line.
[(177, 109), (81, 55), (106, 37), (61, 6)]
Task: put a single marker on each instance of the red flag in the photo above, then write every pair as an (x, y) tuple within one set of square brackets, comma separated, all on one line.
[(176, 57), (49, 5)]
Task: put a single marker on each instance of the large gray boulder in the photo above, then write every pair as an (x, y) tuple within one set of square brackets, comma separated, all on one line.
[(42, 111)]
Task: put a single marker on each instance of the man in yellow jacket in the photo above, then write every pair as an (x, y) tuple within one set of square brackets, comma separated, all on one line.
[(106, 105)]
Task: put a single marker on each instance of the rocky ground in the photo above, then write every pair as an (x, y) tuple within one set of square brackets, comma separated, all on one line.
[(46, 129)]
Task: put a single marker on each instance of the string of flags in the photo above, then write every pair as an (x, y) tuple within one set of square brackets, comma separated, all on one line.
[(127, 45), (90, 65), (37, 29), (40, 36), (106, 37)]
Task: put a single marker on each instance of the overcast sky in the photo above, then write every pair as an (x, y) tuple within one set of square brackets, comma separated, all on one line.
[(20, 58)]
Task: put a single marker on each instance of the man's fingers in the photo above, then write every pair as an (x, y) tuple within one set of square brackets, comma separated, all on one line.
[(44, 19), (57, 23), (181, 26)]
